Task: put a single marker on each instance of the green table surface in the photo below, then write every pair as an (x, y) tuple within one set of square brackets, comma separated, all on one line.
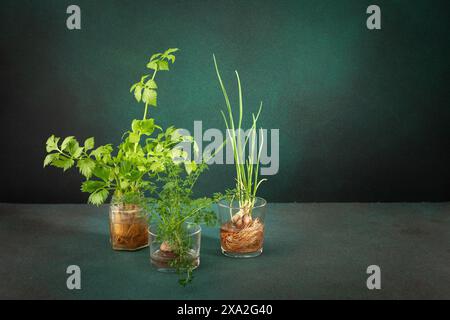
[(311, 251)]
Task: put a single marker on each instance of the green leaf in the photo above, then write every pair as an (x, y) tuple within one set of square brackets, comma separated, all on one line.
[(149, 96), (171, 57), (89, 143), (151, 84), (49, 158), (153, 65), (147, 126), (68, 164), (159, 148), (101, 172), (175, 136), (124, 184), (170, 50), (101, 151), (136, 125), (177, 158), (190, 166), (92, 186), (169, 185), (144, 77), (98, 197), (77, 152), (63, 163), (157, 167), (52, 143), (73, 148), (133, 86), (125, 167), (134, 137), (86, 167), (138, 93), (175, 153), (169, 131), (154, 56), (163, 65), (66, 142)]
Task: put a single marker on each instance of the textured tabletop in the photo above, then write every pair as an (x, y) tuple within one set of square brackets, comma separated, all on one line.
[(311, 251)]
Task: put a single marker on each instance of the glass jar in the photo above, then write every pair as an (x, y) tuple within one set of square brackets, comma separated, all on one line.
[(164, 252), (128, 226), (242, 227)]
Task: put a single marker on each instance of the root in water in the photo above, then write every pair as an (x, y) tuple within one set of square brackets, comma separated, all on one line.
[(163, 259), (243, 235), (128, 230)]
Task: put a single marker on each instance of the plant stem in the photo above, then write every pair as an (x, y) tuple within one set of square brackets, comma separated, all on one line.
[(154, 74), (145, 111)]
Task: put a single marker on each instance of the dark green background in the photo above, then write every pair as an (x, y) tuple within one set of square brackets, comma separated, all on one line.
[(363, 115)]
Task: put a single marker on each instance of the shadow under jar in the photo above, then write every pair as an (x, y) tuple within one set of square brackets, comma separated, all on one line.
[(128, 226), (242, 227), (164, 253)]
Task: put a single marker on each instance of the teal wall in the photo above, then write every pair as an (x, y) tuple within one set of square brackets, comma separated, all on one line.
[(363, 115)]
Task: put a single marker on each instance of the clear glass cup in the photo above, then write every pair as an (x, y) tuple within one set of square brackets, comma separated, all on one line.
[(161, 252), (128, 227), (242, 227)]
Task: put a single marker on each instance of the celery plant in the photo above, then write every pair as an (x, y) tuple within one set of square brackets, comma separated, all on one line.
[(124, 172)]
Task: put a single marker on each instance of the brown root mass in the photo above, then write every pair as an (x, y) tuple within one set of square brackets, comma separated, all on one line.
[(163, 259), (128, 229), (242, 237)]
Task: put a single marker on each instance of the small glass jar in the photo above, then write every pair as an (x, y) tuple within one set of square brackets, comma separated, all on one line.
[(242, 227), (162, 255), (128, 226)]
